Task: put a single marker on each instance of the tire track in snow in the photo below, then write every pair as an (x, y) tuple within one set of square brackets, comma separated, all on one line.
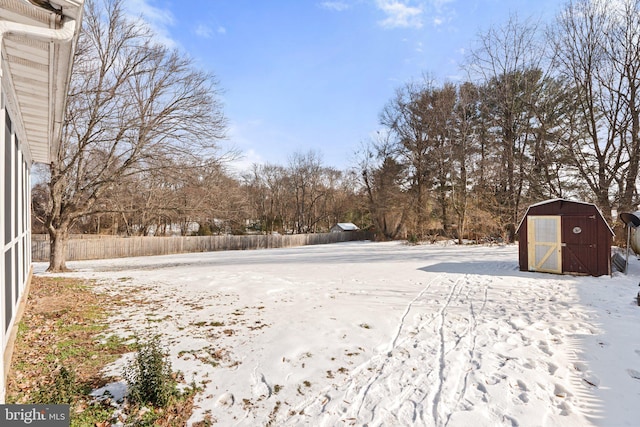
[(423, 373), (352, 384), (441, 355), (417, 391), (452, 352), (401, 325), (365, 391), (473, 342)]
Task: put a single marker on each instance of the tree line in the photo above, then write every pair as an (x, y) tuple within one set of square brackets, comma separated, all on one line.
[(545, 111), (304, 196)]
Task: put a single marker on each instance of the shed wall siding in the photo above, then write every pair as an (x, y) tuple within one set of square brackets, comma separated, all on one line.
[(586, 252)]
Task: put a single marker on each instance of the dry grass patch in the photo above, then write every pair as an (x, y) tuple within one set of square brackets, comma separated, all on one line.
[(61, 350), (61, 327)]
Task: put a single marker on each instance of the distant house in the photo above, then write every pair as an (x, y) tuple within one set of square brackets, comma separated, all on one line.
[(37, 45), (344, 226)]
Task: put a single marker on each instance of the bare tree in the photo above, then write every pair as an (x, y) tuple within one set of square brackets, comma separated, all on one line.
[(133, 106), (434, 131), (442, 133), (385, 181), (552, 115), (595, 138), (622, 52), (308, 187), (219, 200), (465, 146), (508, 61), (406, 118), (304, 197), (272, 209), (341, 203)]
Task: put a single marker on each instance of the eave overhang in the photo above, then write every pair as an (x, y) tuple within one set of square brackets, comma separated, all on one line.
[(38, 39)]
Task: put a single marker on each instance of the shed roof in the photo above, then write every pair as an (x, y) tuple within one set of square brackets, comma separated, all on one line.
[(561, 200), (37, 51), (347, 226)]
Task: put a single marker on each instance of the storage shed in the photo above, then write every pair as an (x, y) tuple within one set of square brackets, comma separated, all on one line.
[(344, 226), (563, 236)]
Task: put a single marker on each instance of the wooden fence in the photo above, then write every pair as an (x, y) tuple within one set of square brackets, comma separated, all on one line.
[(121, 247)]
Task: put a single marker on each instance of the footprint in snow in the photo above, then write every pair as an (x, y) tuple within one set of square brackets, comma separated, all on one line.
[(580, 366), (560, 391), (226, 399), (565, 409), (592, 380), (633, 374), (544, 347), (554, 331), (324, 402), (522, 385), (261, 387)]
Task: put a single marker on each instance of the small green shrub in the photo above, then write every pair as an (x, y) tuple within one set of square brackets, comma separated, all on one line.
[(413, 239), (61, 389), (149, 376), (94, 414)]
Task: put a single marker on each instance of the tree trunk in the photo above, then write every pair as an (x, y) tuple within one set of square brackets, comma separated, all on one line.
[(627, 202), (58, 250), (461, 225), (57, 222)]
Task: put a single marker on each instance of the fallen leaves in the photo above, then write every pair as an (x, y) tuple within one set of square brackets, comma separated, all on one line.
[(61, 321)]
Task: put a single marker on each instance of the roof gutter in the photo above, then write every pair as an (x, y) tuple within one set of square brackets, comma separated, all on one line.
[(60, 35), (64, 37)]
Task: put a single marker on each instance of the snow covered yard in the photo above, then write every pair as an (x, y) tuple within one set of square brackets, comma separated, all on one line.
[(385, 334)]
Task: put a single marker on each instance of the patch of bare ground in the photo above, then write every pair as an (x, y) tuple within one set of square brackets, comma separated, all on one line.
[(62, 347)]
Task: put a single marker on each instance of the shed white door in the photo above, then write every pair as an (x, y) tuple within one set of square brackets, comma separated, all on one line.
[(544, 243)]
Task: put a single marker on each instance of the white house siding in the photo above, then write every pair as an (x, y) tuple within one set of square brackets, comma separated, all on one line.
[(15, 259), (37, 50)]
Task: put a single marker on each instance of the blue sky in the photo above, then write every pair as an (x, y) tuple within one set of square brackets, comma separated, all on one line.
[(302, 75)]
